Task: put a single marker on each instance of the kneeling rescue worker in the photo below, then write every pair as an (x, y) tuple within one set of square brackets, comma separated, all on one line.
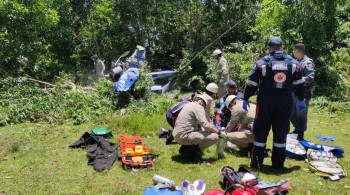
[(193, 129), (238, 122), (275, 77)]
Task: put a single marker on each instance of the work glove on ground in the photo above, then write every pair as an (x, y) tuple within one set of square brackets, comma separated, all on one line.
[(301, 105), (245, 105)]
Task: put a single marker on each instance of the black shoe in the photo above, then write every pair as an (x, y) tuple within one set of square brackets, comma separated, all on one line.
[(169, 139), (163, 133), (300, 136), (190, 152)]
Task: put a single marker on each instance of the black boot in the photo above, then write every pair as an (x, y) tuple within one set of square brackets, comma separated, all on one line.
[(163, 133), (169, 137), (278, 157), (257, 157), (300, 136)]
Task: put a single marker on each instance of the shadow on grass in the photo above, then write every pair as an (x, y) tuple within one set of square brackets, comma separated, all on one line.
[(267, 169), (179, 159), (242, 152)]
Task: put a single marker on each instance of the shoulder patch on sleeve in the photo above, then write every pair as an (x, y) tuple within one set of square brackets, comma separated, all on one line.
[(261, 62)]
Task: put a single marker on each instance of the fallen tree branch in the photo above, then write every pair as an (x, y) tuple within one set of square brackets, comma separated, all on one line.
[(41, 82)]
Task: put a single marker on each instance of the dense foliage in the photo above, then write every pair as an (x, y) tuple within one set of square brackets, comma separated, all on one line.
[(23, 100), (43, 38), (46, 39)]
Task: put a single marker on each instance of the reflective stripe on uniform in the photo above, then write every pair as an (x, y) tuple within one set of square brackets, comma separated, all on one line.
[(300, 81), (263, 70), (259, 144), (294, 67), (278, 145), (253, 83)]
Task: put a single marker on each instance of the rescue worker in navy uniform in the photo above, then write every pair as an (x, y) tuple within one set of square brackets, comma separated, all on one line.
[(275, 77), (299, 118)]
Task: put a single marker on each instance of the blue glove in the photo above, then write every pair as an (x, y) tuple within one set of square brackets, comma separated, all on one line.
[(301, 105), (245, 105)]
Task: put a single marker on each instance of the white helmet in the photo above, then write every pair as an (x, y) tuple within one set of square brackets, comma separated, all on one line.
[(212, 87), (202, 97), (216, 52), (229, 99)]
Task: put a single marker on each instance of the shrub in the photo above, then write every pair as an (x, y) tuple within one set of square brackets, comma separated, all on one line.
[(329, 83), (22, 100), (323, 103), (143, 85)]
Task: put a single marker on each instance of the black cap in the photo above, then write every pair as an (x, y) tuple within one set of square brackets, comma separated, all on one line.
[(274, 41), (230, 84), (300, 47)]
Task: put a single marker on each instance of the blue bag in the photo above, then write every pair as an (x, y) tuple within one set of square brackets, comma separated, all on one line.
[(336, 150), (173, 112), (127, 80), (160, 191)]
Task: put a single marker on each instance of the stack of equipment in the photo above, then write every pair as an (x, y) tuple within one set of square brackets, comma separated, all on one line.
[(243, 182), (324, 164)]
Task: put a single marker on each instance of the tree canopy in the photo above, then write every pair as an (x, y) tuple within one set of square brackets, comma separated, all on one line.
[(45, 38)]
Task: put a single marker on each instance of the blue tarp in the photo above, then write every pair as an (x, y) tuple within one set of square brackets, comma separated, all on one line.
[(162, 191), (127, 80)]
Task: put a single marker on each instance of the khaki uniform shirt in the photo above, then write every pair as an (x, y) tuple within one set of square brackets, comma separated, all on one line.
[(192, 117), (239, 116), (208, 106), (223, 70), (99, 67), (223, 75)]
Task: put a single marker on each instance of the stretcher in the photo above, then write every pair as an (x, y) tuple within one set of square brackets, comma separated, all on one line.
[(134, 154)]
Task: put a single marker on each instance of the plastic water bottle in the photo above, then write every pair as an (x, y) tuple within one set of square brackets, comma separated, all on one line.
[(221, 145), (157, 179)]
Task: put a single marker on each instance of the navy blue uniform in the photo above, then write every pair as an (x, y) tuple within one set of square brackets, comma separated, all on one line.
[(299, 118), (275, 77)]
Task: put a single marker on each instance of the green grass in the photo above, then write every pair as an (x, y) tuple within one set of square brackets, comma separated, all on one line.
[(35, 159)]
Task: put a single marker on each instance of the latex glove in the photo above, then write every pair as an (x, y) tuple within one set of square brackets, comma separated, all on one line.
[(245, 105), (301, 105)]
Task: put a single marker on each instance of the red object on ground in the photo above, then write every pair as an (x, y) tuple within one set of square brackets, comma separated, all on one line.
[(215, 192), (240, 191), (134, 153)]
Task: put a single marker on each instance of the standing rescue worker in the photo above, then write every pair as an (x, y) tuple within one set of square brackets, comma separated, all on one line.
[(223, 71), (275, 76), (99, 66), (299, 118)]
